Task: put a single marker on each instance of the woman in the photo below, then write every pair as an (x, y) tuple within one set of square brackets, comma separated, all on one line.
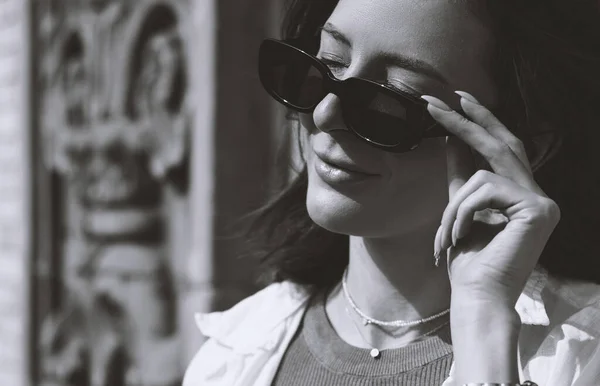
[(446, 110)]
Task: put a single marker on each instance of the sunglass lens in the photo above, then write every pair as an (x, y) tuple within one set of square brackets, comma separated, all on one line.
[(291, 75), (379, 118)]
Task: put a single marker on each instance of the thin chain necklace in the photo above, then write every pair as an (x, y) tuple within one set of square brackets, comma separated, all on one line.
[(375, 352), (393, 323)]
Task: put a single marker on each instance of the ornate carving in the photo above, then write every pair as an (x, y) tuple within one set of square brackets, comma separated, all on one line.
[(116, 125)]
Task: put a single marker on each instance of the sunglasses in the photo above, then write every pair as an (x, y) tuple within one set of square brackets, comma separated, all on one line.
[(386, 118)]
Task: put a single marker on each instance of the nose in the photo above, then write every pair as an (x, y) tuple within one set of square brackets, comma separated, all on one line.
[(327, 116)]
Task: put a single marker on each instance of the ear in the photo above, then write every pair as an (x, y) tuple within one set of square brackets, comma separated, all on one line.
[(543, 148)]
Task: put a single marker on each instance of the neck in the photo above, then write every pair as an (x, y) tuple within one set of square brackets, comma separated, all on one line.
[(392, 279), (396, 279)]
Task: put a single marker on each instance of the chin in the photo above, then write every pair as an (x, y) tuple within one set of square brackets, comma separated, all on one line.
[(365, 211), (339, 213)]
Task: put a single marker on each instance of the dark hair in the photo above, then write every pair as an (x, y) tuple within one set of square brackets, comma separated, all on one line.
[(546, 64)]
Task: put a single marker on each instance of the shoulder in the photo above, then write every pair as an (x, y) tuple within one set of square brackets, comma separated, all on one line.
[(248, 324), (566, 349), (575, 302), (242, 339)]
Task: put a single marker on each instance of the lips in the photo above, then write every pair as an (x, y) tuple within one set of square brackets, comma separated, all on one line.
[(342, 164)]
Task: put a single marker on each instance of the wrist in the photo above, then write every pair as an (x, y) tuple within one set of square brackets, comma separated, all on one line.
[(478, 298), (476, 323), (470, 308), (485, 341)]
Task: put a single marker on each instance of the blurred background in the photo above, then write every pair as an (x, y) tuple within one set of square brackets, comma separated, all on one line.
[(134, 135)]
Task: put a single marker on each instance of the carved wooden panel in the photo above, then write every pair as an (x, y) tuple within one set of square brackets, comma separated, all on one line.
[(115, 121)]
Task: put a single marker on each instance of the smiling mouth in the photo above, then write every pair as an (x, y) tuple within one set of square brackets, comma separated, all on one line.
[(345, 169), (340, 174), (343, 166)]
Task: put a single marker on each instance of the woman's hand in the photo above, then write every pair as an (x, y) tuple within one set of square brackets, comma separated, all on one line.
[(490, 261), (493, 230)]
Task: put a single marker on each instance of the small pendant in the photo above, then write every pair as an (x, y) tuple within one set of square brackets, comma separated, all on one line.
[(375, 353), (365, 322)]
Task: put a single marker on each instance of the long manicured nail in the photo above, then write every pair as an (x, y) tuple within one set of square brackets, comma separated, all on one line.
[(436, 245), (467, 96), (446, 238), (436, 102)]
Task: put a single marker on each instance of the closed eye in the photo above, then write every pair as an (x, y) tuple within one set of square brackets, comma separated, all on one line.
[(333, 65), (405, 89), (336, 66)]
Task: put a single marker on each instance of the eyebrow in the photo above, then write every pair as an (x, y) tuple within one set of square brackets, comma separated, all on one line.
[(331, 30), (394, 59)]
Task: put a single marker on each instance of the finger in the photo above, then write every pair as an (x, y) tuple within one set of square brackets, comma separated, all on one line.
[(498, 154), (484, 118), (481, 178), (460, 164), (487, 196)]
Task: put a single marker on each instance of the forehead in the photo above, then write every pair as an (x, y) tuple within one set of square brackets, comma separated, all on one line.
[(444, 33)]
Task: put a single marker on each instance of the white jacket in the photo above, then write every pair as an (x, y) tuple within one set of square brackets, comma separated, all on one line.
[(559, 344)]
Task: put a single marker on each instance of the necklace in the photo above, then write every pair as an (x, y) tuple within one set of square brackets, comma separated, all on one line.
[(394, 323), (375, 352)]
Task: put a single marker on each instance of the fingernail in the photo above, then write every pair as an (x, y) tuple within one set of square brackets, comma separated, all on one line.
[(436, 244), (468, 97), (446, 239), (436, 102)]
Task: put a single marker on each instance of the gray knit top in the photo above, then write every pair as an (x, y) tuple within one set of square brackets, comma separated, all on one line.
[(317, 356)]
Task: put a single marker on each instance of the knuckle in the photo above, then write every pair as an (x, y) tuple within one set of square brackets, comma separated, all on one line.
[(546, 212), (464, 210), (499, 151), (488, 188), (462, 121), (516, 144), (496, 125), (504, 149), (488, 191), (481, 176), (550, 209)]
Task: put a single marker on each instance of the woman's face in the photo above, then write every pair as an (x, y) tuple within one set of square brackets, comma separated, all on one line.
[(435, 47)]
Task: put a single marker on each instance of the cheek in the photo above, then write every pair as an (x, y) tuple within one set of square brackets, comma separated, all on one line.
[(419, 182), (307, 123), (414, 195), (422, 168), (302, 136)]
